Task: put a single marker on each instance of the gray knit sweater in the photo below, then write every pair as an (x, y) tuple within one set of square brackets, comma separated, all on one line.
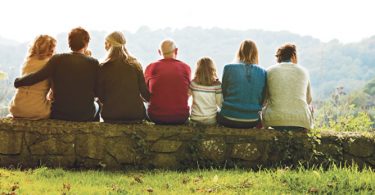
[(289, 96)]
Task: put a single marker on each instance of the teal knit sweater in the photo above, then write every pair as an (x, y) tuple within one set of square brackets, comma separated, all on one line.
[(243, 89)]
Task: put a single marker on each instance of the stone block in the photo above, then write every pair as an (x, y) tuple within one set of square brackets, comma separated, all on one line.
[(213, 149), (246, 151), (166, 146), (331, 149), (165, 161), (122, 149), (360, 147), (52, 146), (10, 142), (90, 146)]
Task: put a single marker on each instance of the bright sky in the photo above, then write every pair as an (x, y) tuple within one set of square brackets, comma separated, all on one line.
[(346, 20)]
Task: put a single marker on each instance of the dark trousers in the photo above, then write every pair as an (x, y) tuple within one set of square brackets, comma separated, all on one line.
[(235, 124), (172, 120)]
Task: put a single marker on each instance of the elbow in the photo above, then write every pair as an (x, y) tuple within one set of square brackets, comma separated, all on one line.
[(17, 83)]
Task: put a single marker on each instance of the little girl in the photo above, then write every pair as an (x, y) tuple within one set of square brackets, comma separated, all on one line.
[(206, 91), (31, 102)]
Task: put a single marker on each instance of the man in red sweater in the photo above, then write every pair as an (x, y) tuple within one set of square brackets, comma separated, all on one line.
[(168, 81)]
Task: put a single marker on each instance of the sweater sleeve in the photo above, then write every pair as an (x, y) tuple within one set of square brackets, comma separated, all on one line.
[(147, 75), (145, 93), (38, 76), (96, 86), (100, 84), (219, 97), (308, 94), (265, 90), (224, 82)]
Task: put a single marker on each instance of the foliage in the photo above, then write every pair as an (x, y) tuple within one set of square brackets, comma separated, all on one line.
[(343, 115), (3, 75), (334, 180), (370, 87)]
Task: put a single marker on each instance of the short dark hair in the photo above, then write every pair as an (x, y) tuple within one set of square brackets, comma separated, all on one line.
[(78, 38), (285, 52)]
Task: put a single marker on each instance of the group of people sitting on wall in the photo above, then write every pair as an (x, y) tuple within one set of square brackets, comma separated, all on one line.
[(76, 87)]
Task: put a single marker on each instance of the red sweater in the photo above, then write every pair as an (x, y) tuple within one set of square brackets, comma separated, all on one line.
[(168, 81)]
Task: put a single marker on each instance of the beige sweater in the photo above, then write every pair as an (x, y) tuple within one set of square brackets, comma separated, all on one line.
[(30, 102), (289, 96)]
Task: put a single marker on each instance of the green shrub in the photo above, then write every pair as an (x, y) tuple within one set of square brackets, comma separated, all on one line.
[(342, 117)]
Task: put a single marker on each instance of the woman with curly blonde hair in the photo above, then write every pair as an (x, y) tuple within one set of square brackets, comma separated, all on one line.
[(31, 102)]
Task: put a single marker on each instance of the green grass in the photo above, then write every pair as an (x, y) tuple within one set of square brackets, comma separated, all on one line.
[(334, 180)]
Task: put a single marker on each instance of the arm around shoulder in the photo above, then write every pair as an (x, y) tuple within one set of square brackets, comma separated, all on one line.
[(38, 76)]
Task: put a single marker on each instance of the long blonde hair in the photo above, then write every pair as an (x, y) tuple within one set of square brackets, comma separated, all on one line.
[(205, 73), (42, 47), (118, 50), (248, 52)]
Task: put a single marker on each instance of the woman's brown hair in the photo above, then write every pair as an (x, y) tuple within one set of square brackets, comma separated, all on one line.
[(43, 47), (248, 52), (286, 52), (205, 73)]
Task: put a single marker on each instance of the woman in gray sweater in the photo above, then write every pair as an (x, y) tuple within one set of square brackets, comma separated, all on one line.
[(288, 93)]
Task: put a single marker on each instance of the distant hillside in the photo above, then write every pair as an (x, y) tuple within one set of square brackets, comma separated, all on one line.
[(330, 64)]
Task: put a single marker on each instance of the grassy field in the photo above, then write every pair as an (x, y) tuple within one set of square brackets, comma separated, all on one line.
[(278, 181)]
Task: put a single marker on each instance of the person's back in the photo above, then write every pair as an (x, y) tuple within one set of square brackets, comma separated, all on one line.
[(243, 88), (168, 81), (289, 95), (206, 91), (73, 76), (121, 84), (120, 88), (30, 102), (74, 84)]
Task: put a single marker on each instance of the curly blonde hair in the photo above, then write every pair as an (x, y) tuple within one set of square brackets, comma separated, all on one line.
[(42, 47)]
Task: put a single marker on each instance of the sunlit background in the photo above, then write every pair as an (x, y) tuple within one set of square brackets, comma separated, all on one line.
[(345, 20), (335, 39)]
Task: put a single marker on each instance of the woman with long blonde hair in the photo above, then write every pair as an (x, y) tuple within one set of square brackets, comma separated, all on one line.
[(31, 102), (121, 86), (244, 83), (206, 91)]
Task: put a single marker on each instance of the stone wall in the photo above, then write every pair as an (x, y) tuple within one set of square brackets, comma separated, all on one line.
[(114, 146)]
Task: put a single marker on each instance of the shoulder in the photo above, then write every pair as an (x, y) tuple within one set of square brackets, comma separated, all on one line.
[(259, 68), (301, 68), (273, 67), (92, 60), (105, 65), (303, 71), (182, 64), (59, 56), (151, 65), (230, 67)]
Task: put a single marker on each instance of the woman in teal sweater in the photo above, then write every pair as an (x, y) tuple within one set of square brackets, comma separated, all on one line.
[(243, 87)]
